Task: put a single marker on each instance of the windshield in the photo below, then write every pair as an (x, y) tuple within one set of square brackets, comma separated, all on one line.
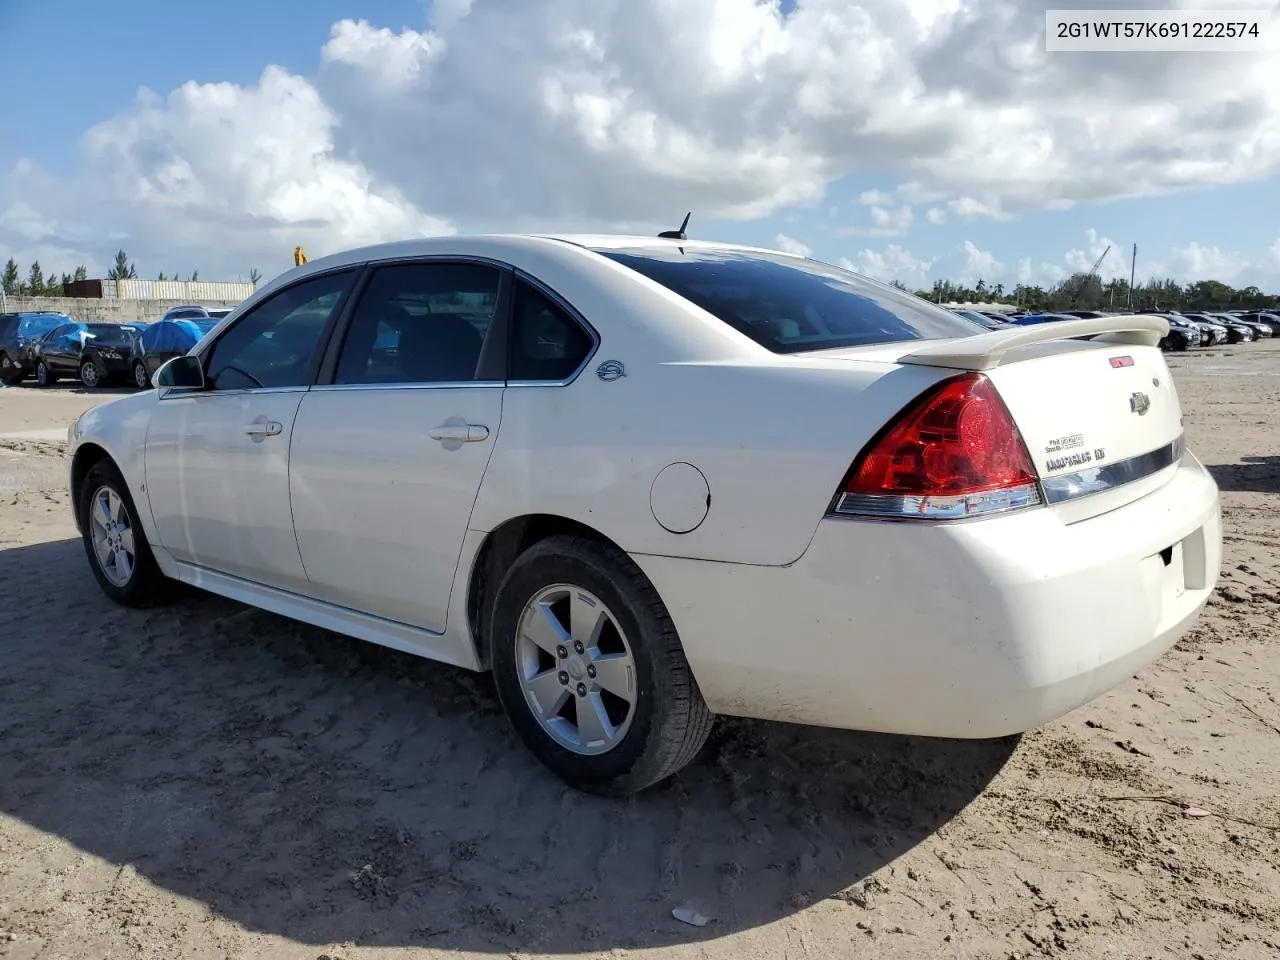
[(789, 305), (37, 326)]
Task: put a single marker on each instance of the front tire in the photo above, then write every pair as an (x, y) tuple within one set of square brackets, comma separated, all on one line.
[(590, 669), (141, 379), (115, 542), (89, 375), (44, 376)]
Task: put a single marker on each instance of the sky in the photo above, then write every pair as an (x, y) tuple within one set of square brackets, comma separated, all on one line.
[(909, 139)]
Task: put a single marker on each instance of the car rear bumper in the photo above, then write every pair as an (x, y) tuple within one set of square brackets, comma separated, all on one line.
[(972, 629)]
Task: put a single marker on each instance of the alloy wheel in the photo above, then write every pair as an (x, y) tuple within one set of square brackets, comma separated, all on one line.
[(89, 374), (576, 669), (140, 376), (112, 531)]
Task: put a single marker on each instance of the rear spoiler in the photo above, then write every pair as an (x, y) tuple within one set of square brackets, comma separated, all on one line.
[(986, 350)]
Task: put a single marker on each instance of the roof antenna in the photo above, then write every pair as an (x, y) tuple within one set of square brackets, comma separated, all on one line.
[(677, 234)]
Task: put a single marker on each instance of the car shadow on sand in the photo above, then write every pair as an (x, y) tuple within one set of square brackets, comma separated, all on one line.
[(326, 790), (1253, 475)]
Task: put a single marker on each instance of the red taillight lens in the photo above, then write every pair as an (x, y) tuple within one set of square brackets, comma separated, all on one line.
[(955, 453)]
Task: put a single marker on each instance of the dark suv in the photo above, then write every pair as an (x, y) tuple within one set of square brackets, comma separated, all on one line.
[(19, 332)]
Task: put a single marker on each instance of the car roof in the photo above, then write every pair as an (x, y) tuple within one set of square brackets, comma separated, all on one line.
[(502, 246)]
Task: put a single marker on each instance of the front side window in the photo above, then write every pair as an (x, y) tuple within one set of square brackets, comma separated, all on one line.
[(275, 343), (790, 305), (545, 342), (72, 338), (420, 323)]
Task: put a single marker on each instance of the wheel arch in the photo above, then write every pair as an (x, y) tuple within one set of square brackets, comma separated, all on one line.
[(87, 455), (494, 558)]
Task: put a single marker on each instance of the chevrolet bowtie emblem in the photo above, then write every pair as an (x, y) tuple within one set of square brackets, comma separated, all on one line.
[(1139, 403)]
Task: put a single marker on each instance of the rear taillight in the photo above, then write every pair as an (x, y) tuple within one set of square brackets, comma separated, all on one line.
[(955, 453)]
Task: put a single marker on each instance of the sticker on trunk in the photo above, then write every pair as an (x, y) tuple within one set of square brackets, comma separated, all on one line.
[(1073, 442)]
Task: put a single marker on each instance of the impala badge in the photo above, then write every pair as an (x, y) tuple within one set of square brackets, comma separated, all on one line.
[(611, 370), (1139, 403)]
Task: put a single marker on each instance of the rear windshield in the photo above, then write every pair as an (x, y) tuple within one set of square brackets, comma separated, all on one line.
[(110, 333), (31, 327), (789, 305)]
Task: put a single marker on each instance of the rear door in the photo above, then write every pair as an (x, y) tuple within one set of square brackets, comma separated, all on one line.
[(388, 456)]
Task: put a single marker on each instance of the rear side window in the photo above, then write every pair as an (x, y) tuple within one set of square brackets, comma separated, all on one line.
[(420, 323), (545, 343), (788, 305)]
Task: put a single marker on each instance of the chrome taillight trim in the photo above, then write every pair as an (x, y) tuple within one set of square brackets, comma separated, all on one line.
[(883, 506)]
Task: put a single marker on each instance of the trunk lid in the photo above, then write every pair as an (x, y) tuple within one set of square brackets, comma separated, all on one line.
[(1101, 418)]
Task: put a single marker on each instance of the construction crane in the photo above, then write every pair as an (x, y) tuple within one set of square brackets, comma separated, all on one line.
[(1084, 281)]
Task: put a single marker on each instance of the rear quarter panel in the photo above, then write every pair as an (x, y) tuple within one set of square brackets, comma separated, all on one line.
[(773, 438)]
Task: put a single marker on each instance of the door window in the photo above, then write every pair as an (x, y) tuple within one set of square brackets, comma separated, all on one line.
[(545, 342), (275, 343), (420, 323)]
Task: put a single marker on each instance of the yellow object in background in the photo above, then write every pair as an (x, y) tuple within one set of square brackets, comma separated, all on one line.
[(299, 256)]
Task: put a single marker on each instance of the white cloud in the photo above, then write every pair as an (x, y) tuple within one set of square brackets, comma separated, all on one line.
[(877, 198), (791, 245), (886, 222), (892, 263), (979, 265), (558, 115), (1200, 262), (1115, 265), (936, 215)]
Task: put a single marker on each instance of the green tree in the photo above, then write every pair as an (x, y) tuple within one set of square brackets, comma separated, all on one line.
[(11, 280), (255, 277), (123, 270), (195, 276), (162, 276), (35, 280), (82, 273)]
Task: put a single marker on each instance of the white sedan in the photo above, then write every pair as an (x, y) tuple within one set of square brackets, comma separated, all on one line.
[(649, 480)]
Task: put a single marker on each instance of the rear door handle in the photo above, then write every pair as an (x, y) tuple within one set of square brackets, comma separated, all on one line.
[(460, 432), (269, 428)]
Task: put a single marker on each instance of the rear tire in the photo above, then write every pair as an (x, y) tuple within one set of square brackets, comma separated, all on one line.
[(630, 642), (44, 376), (141, 379), (109, 530), (10, 372)]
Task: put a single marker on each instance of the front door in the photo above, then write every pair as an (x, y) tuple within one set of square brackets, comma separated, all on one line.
[(217, 460), (387, 460)]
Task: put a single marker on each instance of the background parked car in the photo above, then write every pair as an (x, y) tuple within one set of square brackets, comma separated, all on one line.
[(163, 341), (93, 352), (1217, 332), (19, 332), (195, 312), (982, 319), (1183, 334)]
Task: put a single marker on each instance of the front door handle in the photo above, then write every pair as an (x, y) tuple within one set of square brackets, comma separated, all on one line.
[(460, 432), (263, 428)]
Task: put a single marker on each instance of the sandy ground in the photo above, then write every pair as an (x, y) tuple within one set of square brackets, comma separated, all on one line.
[(208, 781)]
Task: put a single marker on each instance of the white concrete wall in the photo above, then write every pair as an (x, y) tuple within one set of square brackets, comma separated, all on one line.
[(119, 311)]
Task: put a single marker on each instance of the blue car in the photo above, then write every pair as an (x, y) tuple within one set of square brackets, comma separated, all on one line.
[(162, 341), (19, 333)]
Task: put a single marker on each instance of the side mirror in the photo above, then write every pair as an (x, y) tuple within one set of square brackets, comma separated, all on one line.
[(180, 373)]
